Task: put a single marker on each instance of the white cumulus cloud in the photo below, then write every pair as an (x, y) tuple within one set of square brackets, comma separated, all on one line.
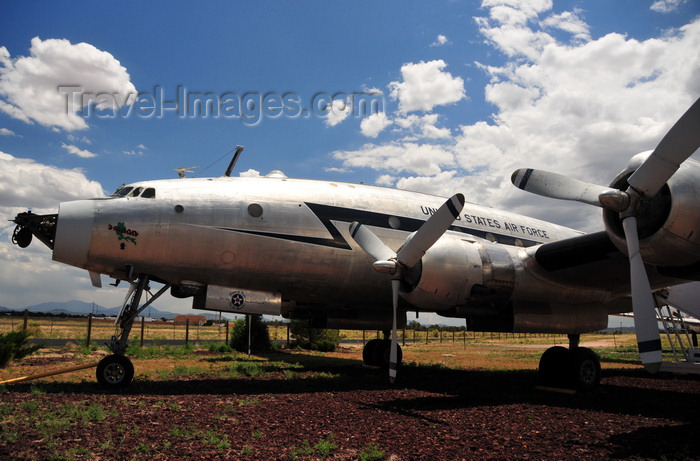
[(75, 150), (27, 183), (374, 124), (425, 85), (397, 157), (29, 85), (338, 111), (440, 40), (666, 6)]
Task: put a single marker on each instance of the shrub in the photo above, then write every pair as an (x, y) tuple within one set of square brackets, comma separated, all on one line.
[(15, 345), (324, 345), (314, 338), (260, 336)]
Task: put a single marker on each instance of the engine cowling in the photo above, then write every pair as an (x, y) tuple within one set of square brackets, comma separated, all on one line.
[(667, 222), (460, 272)]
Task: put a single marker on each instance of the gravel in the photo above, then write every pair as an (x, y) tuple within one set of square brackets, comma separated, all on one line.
[(350, 412)]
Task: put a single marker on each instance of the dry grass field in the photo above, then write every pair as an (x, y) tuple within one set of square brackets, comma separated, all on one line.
[(468, 351)]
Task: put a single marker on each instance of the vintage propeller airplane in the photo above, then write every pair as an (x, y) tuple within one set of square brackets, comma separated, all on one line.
[(307, 249)]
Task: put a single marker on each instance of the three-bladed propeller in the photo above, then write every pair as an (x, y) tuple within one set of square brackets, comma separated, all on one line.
[(679, 143), (395, 263)]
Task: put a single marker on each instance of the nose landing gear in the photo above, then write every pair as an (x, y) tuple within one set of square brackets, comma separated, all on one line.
[(116, 370)]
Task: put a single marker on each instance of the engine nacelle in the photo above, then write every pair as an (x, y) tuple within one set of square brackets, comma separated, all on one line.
[(535, 317), (667, 222), (237, 301), (461, 272)]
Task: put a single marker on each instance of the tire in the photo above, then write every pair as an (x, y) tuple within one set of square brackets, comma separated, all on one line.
[(382, 354), (585, 369), (368, 352), (115, 371), (554, 369)]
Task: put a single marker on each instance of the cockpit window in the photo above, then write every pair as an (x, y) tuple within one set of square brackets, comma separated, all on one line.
[(136, 192), (131, 191), (149, 193), (122, 191)]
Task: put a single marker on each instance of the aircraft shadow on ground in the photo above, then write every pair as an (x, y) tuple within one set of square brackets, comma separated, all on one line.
[(453, 388)]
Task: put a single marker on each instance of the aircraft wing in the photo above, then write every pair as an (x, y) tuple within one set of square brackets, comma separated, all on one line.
[(589, 260)]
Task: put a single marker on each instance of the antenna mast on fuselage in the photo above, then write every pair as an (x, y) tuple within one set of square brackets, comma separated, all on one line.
[(239, 149)]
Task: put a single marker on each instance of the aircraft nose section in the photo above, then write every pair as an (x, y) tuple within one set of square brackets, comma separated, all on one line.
[(74, 232)]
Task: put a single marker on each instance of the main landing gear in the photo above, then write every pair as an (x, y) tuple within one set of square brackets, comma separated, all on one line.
[(376, 352), (116, 370), (573, 368)]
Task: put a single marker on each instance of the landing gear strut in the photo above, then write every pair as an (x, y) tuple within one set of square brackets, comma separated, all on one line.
[(116, 370), (574, 368)]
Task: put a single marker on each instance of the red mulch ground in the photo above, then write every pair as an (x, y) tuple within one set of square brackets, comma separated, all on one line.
[(434, 413)]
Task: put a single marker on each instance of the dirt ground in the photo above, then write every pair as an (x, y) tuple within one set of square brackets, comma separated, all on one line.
[(296, 406)]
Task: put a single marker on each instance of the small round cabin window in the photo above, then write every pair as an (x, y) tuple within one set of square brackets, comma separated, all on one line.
[(255, 210)]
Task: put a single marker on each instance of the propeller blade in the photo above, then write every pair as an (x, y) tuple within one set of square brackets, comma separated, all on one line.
[(431, 231), (557, 186), (393, 354), (679, 143), (646, 326), (369, 242)]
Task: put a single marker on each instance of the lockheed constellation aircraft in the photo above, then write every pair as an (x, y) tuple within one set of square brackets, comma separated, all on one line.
[(354, 256)]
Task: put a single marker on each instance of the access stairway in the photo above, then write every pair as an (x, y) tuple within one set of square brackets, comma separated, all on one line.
[(681, 330)]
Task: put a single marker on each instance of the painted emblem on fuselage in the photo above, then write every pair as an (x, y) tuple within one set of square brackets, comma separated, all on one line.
[(237, 300), (123, 233)]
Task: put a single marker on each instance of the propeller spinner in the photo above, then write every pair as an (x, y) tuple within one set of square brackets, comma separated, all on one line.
[(676, 146)]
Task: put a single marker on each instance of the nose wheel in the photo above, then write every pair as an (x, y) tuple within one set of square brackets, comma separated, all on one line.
[(115, 371)]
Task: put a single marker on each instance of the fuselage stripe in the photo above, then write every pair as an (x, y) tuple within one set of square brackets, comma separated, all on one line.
[(329, 213)]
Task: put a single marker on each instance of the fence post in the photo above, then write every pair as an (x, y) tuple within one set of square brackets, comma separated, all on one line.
[(187, 332), (89, 330), (142, 326), (226, 331), (26, 319)]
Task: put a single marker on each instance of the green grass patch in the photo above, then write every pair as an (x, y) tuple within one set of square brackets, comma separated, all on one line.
[(321, 450), (371, 452)]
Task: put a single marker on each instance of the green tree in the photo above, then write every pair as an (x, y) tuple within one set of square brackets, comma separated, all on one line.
[(260, 336), (318, 339)]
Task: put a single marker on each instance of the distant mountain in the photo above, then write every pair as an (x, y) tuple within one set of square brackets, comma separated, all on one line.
[(75, 307), (67, 307)]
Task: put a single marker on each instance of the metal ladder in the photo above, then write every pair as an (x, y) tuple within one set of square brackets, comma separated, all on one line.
[(684, 351)]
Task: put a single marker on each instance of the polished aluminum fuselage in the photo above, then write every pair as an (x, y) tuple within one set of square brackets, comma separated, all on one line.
[(288, 240), (275, 234)]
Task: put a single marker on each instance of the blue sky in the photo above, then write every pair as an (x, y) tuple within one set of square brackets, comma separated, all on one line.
[(467, 92)]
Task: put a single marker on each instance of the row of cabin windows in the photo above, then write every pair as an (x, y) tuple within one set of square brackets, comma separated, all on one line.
[(129, 191)]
